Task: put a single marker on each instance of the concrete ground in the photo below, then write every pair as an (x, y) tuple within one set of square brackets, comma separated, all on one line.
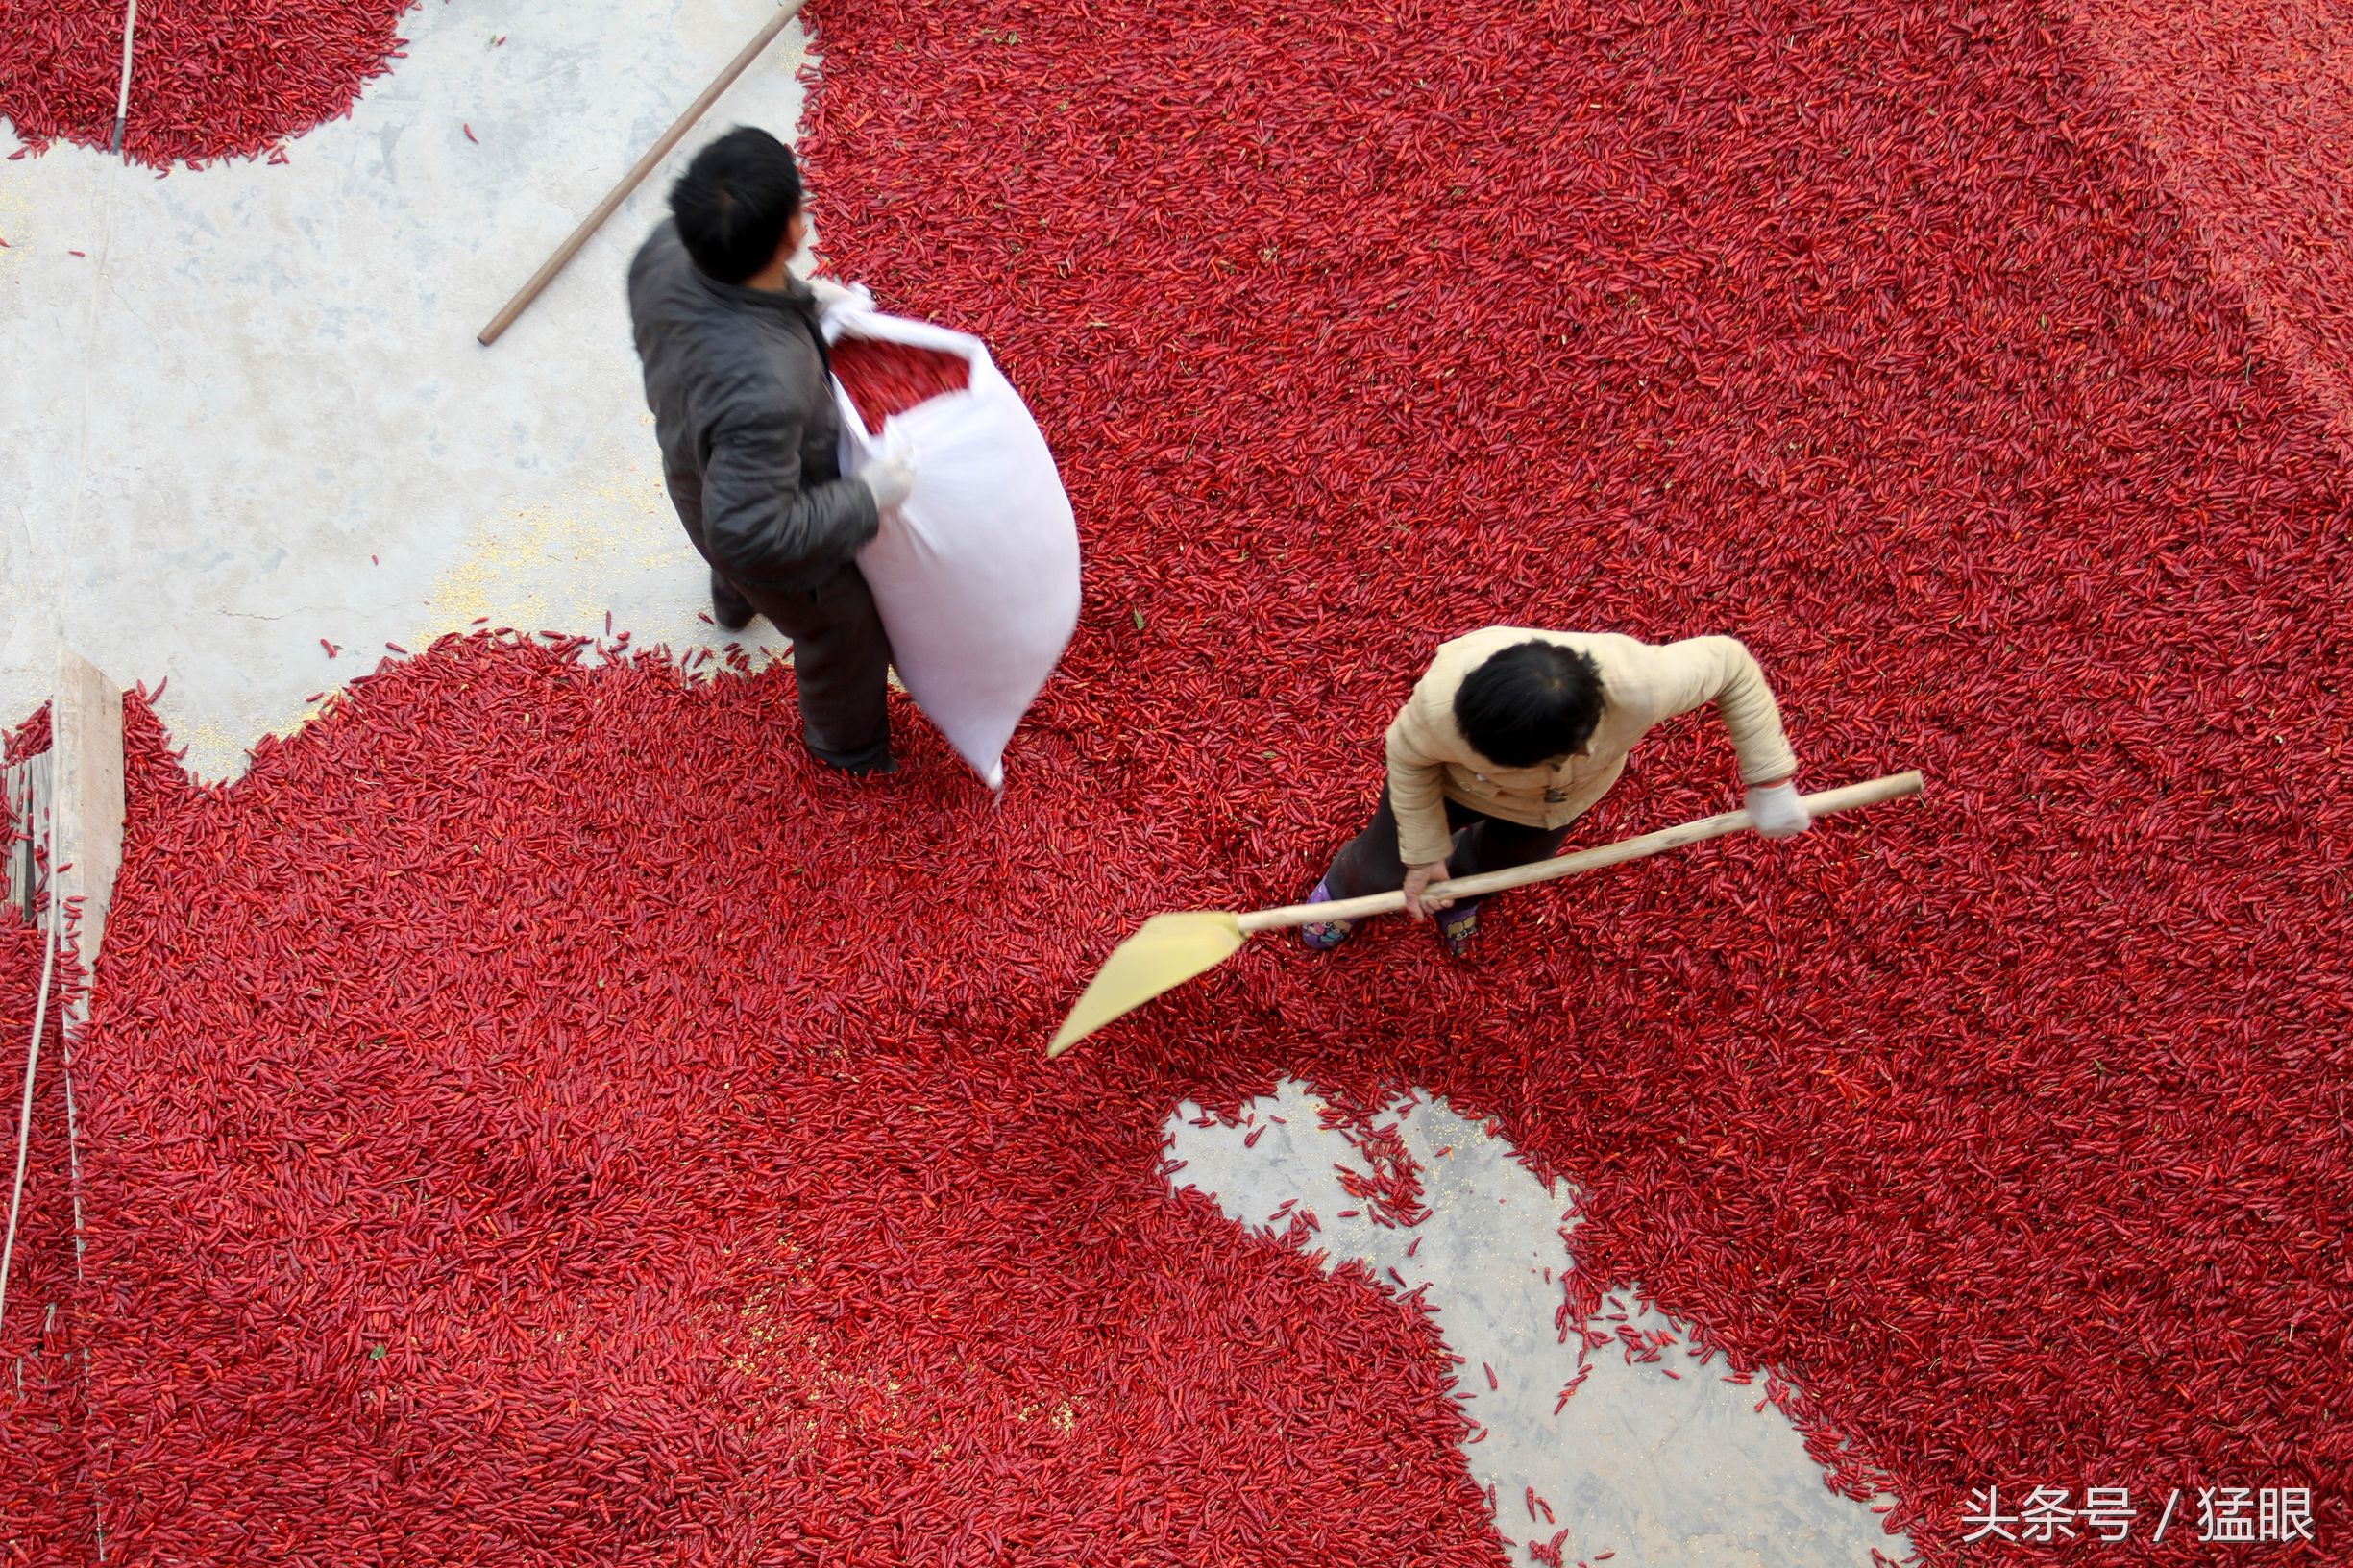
[(1658, 1471), (251, 415)]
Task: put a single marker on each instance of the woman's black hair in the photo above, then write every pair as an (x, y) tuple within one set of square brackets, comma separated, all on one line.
[(1531, 702), (734, 203)]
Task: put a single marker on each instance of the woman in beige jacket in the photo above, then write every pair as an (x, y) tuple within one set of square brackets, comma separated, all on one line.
[(1513, 733)]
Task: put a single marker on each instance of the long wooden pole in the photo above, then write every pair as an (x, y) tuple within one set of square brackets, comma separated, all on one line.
[(631, 181), (1171, 948), (1844, 798), (122, 96)]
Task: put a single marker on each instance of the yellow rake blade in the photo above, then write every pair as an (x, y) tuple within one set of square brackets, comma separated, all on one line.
[(1169, 950)]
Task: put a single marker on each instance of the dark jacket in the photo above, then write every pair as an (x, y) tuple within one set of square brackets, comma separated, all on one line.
[(738, 384)]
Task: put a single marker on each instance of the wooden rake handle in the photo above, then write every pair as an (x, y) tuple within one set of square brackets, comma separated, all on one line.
[(571, 247), (1845, 799)]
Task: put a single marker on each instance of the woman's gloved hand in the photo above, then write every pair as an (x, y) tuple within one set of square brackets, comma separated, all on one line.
[(1777, 809)]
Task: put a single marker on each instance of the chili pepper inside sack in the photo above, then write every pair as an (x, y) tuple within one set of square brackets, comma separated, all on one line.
[(976, 573)]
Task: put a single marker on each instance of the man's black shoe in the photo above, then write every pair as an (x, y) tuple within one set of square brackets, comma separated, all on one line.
[(868, 767)]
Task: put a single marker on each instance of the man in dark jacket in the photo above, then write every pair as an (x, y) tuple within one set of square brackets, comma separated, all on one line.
[(739, 382)]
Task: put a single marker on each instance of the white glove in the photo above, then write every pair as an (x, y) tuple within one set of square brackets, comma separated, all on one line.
[(890, 479), (1776, 811), (830, 295)]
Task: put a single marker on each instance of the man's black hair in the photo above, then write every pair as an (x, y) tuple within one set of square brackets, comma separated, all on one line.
[(1530, 703), (734, 203)]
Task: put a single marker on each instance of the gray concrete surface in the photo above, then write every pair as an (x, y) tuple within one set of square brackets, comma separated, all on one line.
[(252, 414), (1663, 1472)]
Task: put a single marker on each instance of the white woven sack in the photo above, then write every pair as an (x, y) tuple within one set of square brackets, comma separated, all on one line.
[(976, 573)]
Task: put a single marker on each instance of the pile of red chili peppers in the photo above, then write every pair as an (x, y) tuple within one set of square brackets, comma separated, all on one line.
[(211, 81), (537, 1117), (2247, 109), (885, 378), (46, 1503), (45, 1506)]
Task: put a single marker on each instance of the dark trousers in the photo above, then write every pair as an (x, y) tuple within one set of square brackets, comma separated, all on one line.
[(1370, 862), (843, 658)]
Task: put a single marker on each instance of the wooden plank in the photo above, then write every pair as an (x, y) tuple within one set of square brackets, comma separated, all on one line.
[(25, 788), (86, 722)]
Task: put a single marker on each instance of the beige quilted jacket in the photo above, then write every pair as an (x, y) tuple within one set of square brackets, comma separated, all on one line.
[(1642, 685)]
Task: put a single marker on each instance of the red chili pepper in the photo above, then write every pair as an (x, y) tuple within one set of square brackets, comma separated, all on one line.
[(885, 378), (686, 1064)]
